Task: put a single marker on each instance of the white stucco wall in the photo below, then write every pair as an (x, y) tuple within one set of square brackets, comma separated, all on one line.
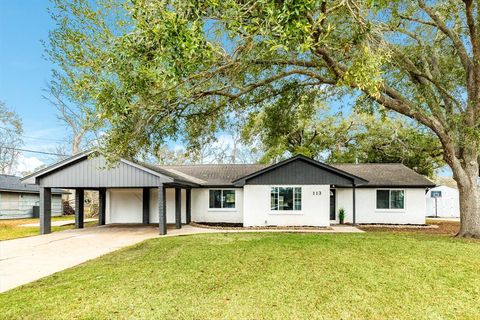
[(413, 213), (202, 213), (315, 208), (125, 205)]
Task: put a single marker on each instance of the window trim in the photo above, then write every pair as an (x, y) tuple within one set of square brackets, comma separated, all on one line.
[(389, 209), (287, 212), (221, 197)]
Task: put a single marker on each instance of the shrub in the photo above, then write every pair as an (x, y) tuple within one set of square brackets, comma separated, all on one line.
[(67, 208), (341, 215)]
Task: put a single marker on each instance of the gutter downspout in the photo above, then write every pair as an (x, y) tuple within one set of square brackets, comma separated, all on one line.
[(354, 206)]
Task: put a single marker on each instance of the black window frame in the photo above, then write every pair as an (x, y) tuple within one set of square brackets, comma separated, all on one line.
[(389, 200), (222, 199), (296, 201)]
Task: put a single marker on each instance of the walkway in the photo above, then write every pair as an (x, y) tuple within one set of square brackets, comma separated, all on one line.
[(28, 259)]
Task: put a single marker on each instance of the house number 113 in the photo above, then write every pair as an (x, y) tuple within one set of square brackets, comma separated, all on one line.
[(317, 193)]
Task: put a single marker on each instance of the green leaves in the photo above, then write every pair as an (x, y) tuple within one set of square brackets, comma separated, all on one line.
[(177, 69), (365, 72)]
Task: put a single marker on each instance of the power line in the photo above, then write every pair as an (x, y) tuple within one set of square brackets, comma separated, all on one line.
[(29, 137), (34, 151), (47, 139)]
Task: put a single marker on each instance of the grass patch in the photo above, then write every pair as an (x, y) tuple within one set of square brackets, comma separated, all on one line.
[(11, 229), (265, 276)]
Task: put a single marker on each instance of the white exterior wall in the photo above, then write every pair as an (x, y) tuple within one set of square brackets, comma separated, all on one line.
[(366, 202), (315, 208), (123, 206), (252, 207), (126, 205), (202, 213), (170, 195)]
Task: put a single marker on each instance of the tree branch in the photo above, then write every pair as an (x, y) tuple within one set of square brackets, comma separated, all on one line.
[(457, 42)]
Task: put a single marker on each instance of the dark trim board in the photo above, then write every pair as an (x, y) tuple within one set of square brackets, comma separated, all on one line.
[(386, 187)]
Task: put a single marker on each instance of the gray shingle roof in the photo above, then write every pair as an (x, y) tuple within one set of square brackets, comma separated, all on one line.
[(13, 184), (385, 174), (377, 174), (212, 174)]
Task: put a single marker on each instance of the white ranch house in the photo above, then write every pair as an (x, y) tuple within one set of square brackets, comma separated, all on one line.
[(296, 192)]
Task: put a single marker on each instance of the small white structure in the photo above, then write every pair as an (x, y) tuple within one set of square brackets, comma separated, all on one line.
[(443, 201)]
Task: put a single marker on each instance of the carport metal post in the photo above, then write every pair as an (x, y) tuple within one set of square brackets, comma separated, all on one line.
[(45, 210), (162, 210), (178, 208), (188, 205), (102, 197), (146, 206), (79, 205)]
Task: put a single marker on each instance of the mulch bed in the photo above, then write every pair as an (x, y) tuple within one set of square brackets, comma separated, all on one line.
[(239, 226), (450, 228), (399, 226)]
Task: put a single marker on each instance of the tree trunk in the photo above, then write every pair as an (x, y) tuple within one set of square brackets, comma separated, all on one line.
[(77, 139), (469, 191)]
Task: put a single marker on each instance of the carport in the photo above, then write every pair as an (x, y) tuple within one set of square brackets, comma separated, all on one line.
[(85, 171)]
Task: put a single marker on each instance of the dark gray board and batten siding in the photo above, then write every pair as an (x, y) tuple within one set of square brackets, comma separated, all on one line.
[(299, 172), (92, 173)]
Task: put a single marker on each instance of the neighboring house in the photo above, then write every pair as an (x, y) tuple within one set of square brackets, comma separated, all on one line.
[(443, 201), (18, 199), (296, 192)]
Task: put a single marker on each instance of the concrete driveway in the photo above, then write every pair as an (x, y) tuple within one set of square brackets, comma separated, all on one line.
[(28, 259)]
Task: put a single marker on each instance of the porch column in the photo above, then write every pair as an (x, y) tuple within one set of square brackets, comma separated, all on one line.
[(102, 198), (178, 208), (79, 202), (146, 205), (188, 205), (45, 210), (354, 206), (162, 210)]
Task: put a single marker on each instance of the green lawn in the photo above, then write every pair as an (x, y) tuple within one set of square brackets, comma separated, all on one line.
[(376, 275), (11, 229)]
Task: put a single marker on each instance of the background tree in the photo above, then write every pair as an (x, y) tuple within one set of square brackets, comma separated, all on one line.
[(300, 122), (375, 138), (11, 131), (73, 119), (155, 70)]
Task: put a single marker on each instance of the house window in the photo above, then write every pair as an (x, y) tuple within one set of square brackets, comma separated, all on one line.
[(222, 199), (390, 199), (286, 198)]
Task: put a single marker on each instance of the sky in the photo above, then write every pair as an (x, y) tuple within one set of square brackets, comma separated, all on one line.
[(24, 74)]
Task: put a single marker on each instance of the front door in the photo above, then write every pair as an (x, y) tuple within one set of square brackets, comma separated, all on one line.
[(332, 205)]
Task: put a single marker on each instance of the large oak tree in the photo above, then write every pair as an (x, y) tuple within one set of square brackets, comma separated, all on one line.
[(154, 70)]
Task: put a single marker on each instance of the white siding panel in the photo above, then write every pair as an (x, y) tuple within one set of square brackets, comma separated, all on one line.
[(20, 205)]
